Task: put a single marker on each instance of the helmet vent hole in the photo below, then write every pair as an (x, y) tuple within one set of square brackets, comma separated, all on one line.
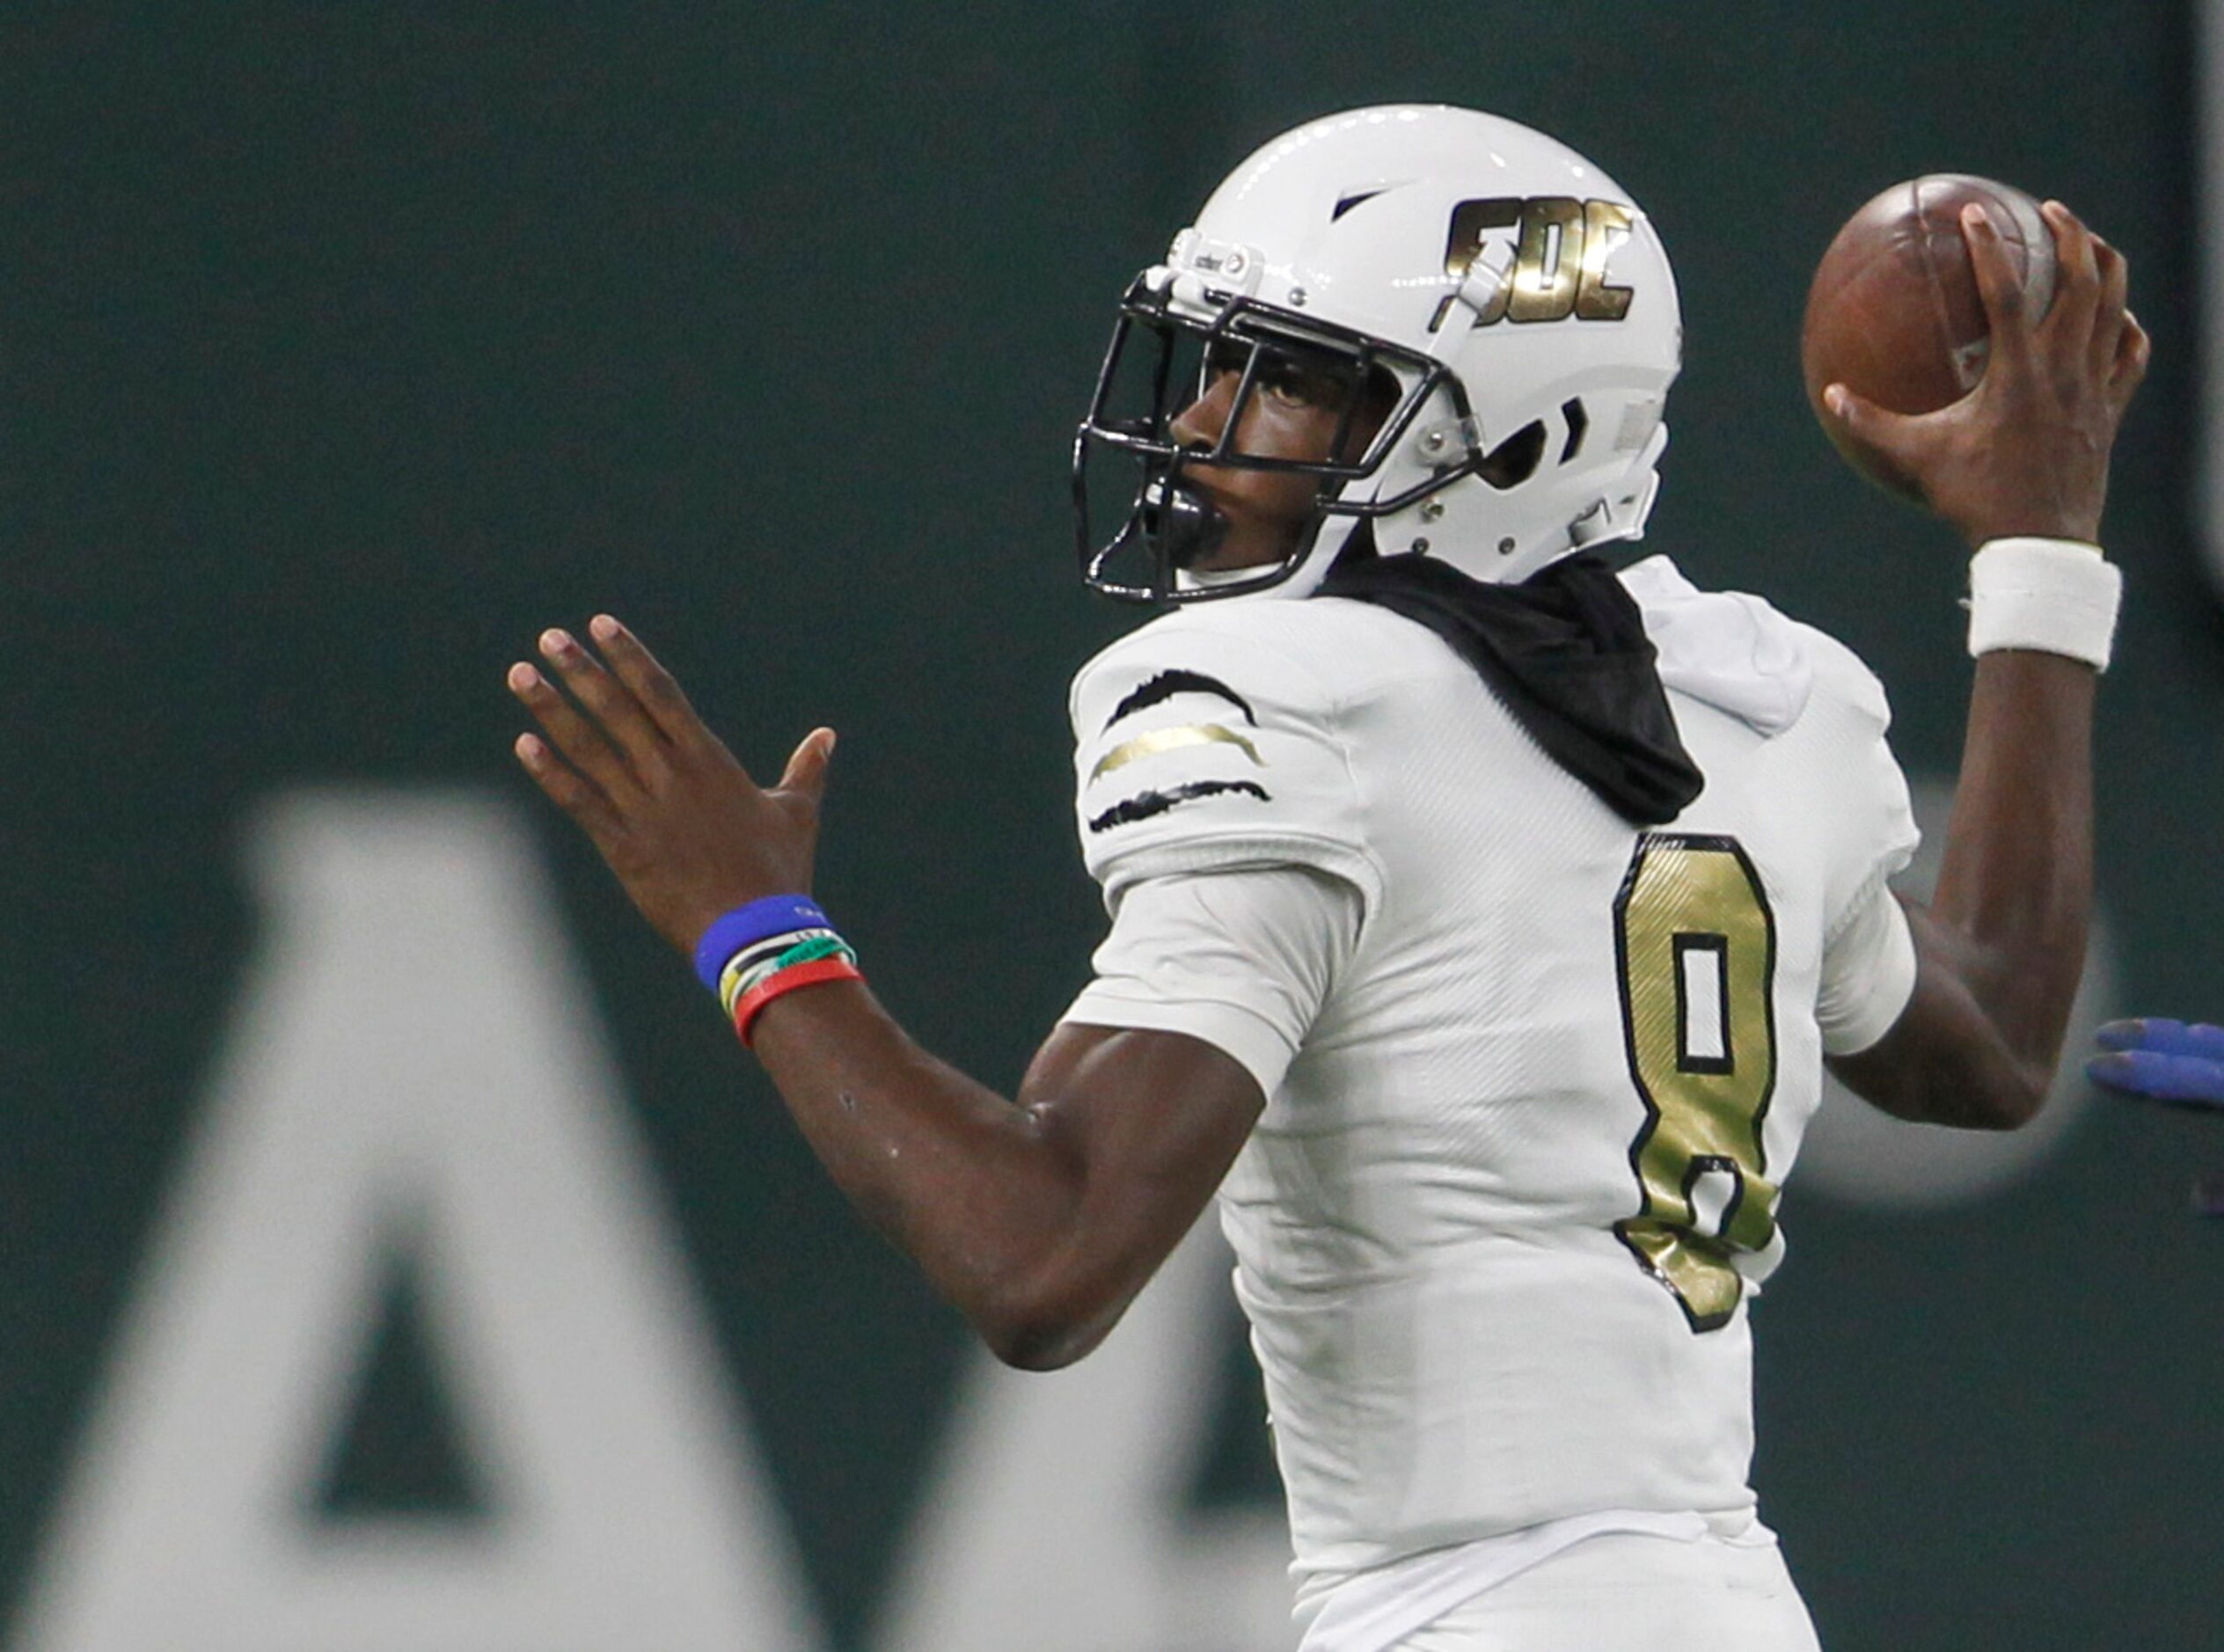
[(1578, 422), (1515, 460)]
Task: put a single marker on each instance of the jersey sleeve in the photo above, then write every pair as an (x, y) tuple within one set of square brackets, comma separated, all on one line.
[(1868, 955), (1201, 749), (1242, 961), (1869, 972)]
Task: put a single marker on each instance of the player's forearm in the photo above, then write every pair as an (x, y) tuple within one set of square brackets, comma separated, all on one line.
[(2014, 888), (1038, 1220), (2019, 466), (972, 1188)]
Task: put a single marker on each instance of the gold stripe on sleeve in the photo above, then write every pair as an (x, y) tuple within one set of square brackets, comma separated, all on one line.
[(1160, 740)]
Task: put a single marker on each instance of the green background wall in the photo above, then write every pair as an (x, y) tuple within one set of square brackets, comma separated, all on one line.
[(342, 349)]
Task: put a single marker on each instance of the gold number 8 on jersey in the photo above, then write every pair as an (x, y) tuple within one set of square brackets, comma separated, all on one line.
[(1696, 945)]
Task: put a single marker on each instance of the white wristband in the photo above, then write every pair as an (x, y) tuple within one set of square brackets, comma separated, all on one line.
[(2056, 596)]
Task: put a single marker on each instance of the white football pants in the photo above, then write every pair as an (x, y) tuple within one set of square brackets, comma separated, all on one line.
[(1624, 1592)]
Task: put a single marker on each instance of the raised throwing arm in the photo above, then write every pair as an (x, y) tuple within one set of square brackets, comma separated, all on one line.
[(2000, 945)]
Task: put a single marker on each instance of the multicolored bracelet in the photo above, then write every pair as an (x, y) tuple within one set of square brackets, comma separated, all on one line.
[(755, 953), (756, 965), (751, 1003)]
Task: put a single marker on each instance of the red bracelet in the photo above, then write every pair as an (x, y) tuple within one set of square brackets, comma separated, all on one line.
[(803, 975)]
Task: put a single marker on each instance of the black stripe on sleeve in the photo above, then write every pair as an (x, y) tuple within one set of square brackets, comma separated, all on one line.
[(1143, 805), (1167, 684)]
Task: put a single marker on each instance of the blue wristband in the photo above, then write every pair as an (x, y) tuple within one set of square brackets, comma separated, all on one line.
[(746, 926)]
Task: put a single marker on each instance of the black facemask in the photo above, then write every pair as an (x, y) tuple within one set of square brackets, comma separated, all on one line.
[(1137, 524)]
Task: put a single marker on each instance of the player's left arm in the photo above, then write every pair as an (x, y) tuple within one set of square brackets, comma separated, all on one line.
[(1039, 1217), (2000, 945)]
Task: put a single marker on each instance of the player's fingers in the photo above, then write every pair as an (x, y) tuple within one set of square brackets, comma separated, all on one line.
[(1999, 284), (2112, 312), (613, 704), (576, 739), (2134, 349), (578, 797), (2181, 1080), (2124, 1035), (807, 767), (2077, 280), (1871, 426), (654, 687), (2164, 1036)]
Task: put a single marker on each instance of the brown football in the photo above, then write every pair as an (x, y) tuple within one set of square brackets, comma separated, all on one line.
[(1893, 312)]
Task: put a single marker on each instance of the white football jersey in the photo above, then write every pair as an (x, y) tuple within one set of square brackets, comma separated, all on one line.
[(1499, 1226)]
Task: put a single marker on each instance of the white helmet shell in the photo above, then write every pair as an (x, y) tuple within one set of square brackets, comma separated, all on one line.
[(1500, 253)]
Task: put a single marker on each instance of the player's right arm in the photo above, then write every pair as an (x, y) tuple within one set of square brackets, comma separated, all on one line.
[(2000, 945), (1039, 1217)]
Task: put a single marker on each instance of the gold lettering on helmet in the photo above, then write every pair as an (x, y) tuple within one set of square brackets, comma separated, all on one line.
[(1544, 270), (1559, 267), (1470, 220), (1606, 226)]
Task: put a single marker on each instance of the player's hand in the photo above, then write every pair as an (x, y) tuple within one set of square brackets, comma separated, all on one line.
[(2026, 451), (2164, 1060), (688, 833)]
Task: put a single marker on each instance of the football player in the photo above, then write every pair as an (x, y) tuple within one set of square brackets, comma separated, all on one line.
[(1481, 918)]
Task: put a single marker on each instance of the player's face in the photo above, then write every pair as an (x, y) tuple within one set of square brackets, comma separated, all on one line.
[(1293, 413)]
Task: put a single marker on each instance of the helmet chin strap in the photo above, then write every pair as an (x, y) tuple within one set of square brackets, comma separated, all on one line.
[(1189, 527), (1308, 566)]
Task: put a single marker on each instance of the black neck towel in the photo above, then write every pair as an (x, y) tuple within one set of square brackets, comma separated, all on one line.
[(1566, 652)]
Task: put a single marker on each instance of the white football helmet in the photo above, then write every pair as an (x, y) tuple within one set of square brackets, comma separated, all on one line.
[(1521, 303)]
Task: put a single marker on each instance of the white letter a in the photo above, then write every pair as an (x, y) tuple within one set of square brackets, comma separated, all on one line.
[(414, 1054)]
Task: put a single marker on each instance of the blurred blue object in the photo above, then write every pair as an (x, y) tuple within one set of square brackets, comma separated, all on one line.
[(2172, 1061), (2164, 1060)]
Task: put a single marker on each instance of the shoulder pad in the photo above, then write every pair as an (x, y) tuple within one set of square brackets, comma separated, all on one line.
[(1202, 747), (1845, 677)]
